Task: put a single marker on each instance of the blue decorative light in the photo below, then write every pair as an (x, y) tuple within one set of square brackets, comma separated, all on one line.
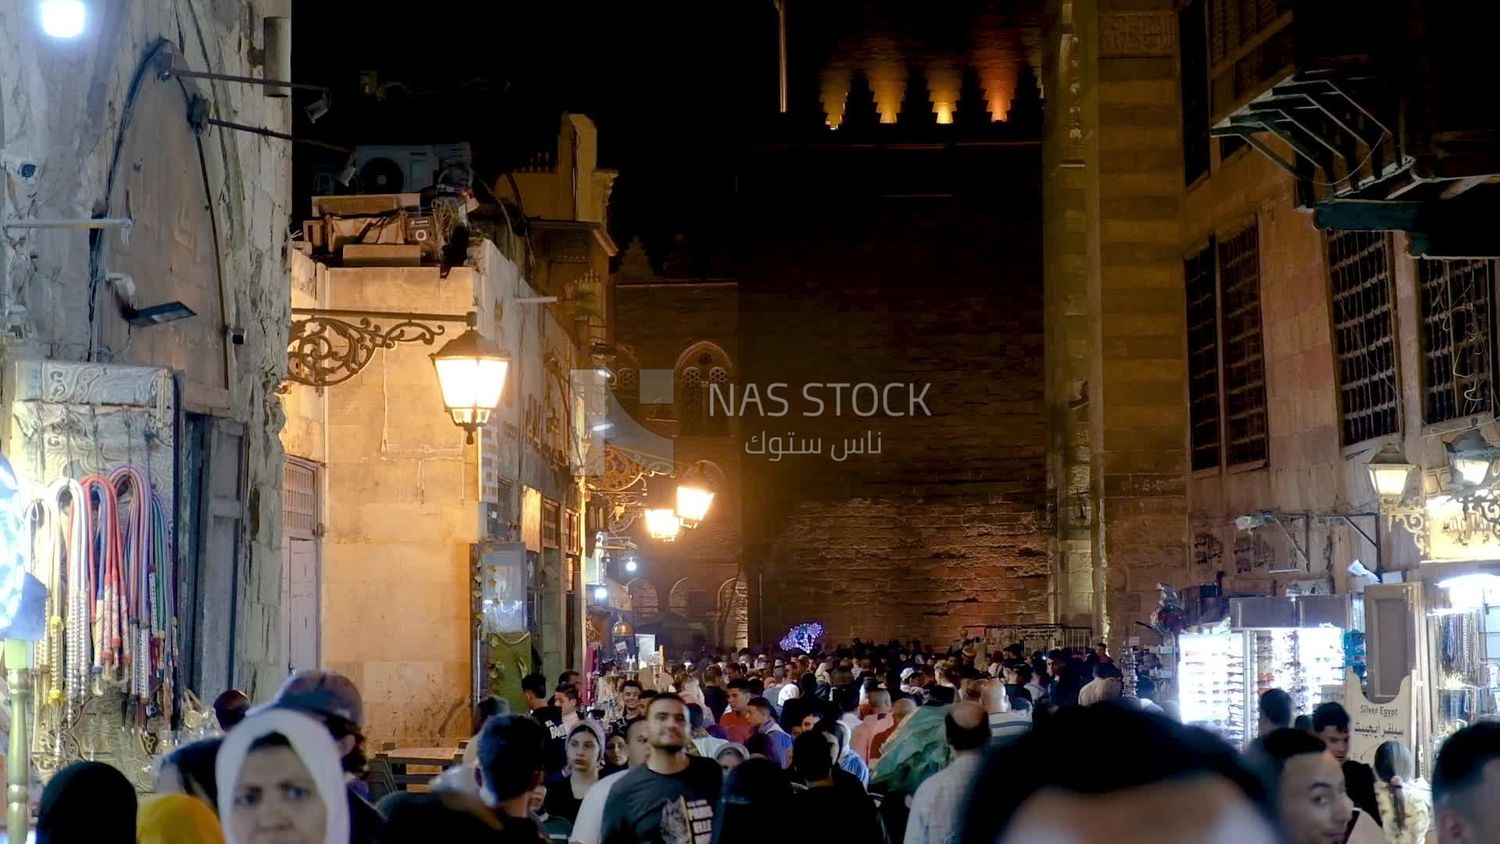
[(802, 637)]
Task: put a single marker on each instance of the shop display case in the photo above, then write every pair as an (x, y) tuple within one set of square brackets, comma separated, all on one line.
[(1223, 675), (1212, 683)]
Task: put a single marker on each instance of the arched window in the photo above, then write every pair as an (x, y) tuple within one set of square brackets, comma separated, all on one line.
[(702, 370), (677, 599), (627, 384), (643, 600), (734, 612)]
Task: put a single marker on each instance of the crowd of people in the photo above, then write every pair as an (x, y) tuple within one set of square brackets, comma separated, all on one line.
[(865, 743)]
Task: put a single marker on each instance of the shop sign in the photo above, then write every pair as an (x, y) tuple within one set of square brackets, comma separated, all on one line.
[(1454, 535), (1373, 724)]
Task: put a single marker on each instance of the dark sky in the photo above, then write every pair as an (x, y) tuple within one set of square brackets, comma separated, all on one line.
[(672, 85), (678, 88)]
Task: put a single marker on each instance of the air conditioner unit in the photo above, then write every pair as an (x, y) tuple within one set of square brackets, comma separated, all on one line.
[(397, 169)]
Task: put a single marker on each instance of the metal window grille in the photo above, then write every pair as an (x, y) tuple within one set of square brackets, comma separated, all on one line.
[(1359, 270), (692, 399), (1203, 358), (1457, 323), (1244, 355), (299, 499)]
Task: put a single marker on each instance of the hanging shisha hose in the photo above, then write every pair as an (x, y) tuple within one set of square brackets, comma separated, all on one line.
[(106, 580), (78, 641)]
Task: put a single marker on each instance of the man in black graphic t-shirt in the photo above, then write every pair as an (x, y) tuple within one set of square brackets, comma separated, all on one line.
[(671, 798)]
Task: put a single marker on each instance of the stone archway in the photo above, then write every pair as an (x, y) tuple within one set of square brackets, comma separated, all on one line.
[(734, 612)]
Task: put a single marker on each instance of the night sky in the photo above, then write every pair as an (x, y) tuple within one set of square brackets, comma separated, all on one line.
[(678, 89), (673, 87)]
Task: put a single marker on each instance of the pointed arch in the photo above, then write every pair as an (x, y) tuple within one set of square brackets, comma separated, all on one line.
[(643, 597), (702, 367), (677, 599), (734, 612)]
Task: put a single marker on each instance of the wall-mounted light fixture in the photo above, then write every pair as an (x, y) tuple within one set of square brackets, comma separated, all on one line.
[(156, 314), (328, 347), (62, 19)]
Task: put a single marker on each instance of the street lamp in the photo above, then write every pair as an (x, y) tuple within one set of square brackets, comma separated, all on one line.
[(696, 491), (693, 501), (662, 523), (1389, 473), (1471, 457), (471, 372), (63, 19)]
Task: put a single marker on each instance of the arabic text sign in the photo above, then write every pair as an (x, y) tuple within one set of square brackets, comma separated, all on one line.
[(1373, 724)]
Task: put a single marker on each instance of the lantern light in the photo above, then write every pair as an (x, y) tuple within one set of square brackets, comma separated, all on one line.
[(601, 593), (693, 501), (63, 19), (631, 565), (471, 371), (662, 523), (1471, 457), (1389, 472)]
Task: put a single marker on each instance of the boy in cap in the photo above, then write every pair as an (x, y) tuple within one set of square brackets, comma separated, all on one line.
[(334, 699)]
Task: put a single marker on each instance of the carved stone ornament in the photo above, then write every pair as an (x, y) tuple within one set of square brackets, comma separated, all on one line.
[(1137, 35)]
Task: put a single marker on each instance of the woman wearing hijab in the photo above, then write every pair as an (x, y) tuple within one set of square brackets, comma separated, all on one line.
[(585, 760), (87, 803), (178, 819), (281, 780)]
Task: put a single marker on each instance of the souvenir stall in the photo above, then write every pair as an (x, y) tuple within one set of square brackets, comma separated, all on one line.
[(95, 446), (1462, 667), (1292, 643)]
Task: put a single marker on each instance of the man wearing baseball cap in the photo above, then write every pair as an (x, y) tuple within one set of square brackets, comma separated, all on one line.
[(334, 699)]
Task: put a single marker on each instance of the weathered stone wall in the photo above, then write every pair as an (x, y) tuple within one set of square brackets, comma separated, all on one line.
[(881, 266), (107, 137), (402, 511)]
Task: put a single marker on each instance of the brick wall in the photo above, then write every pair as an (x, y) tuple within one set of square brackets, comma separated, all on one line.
[(939, 286)]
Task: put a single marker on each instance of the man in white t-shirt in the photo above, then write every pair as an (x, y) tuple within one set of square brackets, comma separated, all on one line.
[(590, 821)]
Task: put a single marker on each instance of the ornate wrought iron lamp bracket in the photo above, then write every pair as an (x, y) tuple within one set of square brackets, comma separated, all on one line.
[(328, 347)]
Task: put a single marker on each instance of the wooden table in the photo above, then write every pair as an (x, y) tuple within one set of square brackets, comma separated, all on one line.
[(423, 757)]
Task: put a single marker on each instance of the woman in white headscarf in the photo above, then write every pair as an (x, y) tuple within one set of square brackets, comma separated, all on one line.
[(280, 780)]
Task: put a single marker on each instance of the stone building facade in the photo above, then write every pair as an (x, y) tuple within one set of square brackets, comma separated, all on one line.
[(1233, 336), (89, 129)]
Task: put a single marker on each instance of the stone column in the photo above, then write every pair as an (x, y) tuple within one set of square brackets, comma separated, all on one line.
[(1116, 301)]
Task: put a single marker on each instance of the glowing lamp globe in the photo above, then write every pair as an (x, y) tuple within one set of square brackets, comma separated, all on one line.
[(471, 373), (1471, 457), (601, 593), (693, 501), (1389, 472), (63, 19), (662, 524)]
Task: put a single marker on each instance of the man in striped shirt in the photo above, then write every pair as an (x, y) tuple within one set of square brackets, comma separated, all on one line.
[(1004, 721)]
